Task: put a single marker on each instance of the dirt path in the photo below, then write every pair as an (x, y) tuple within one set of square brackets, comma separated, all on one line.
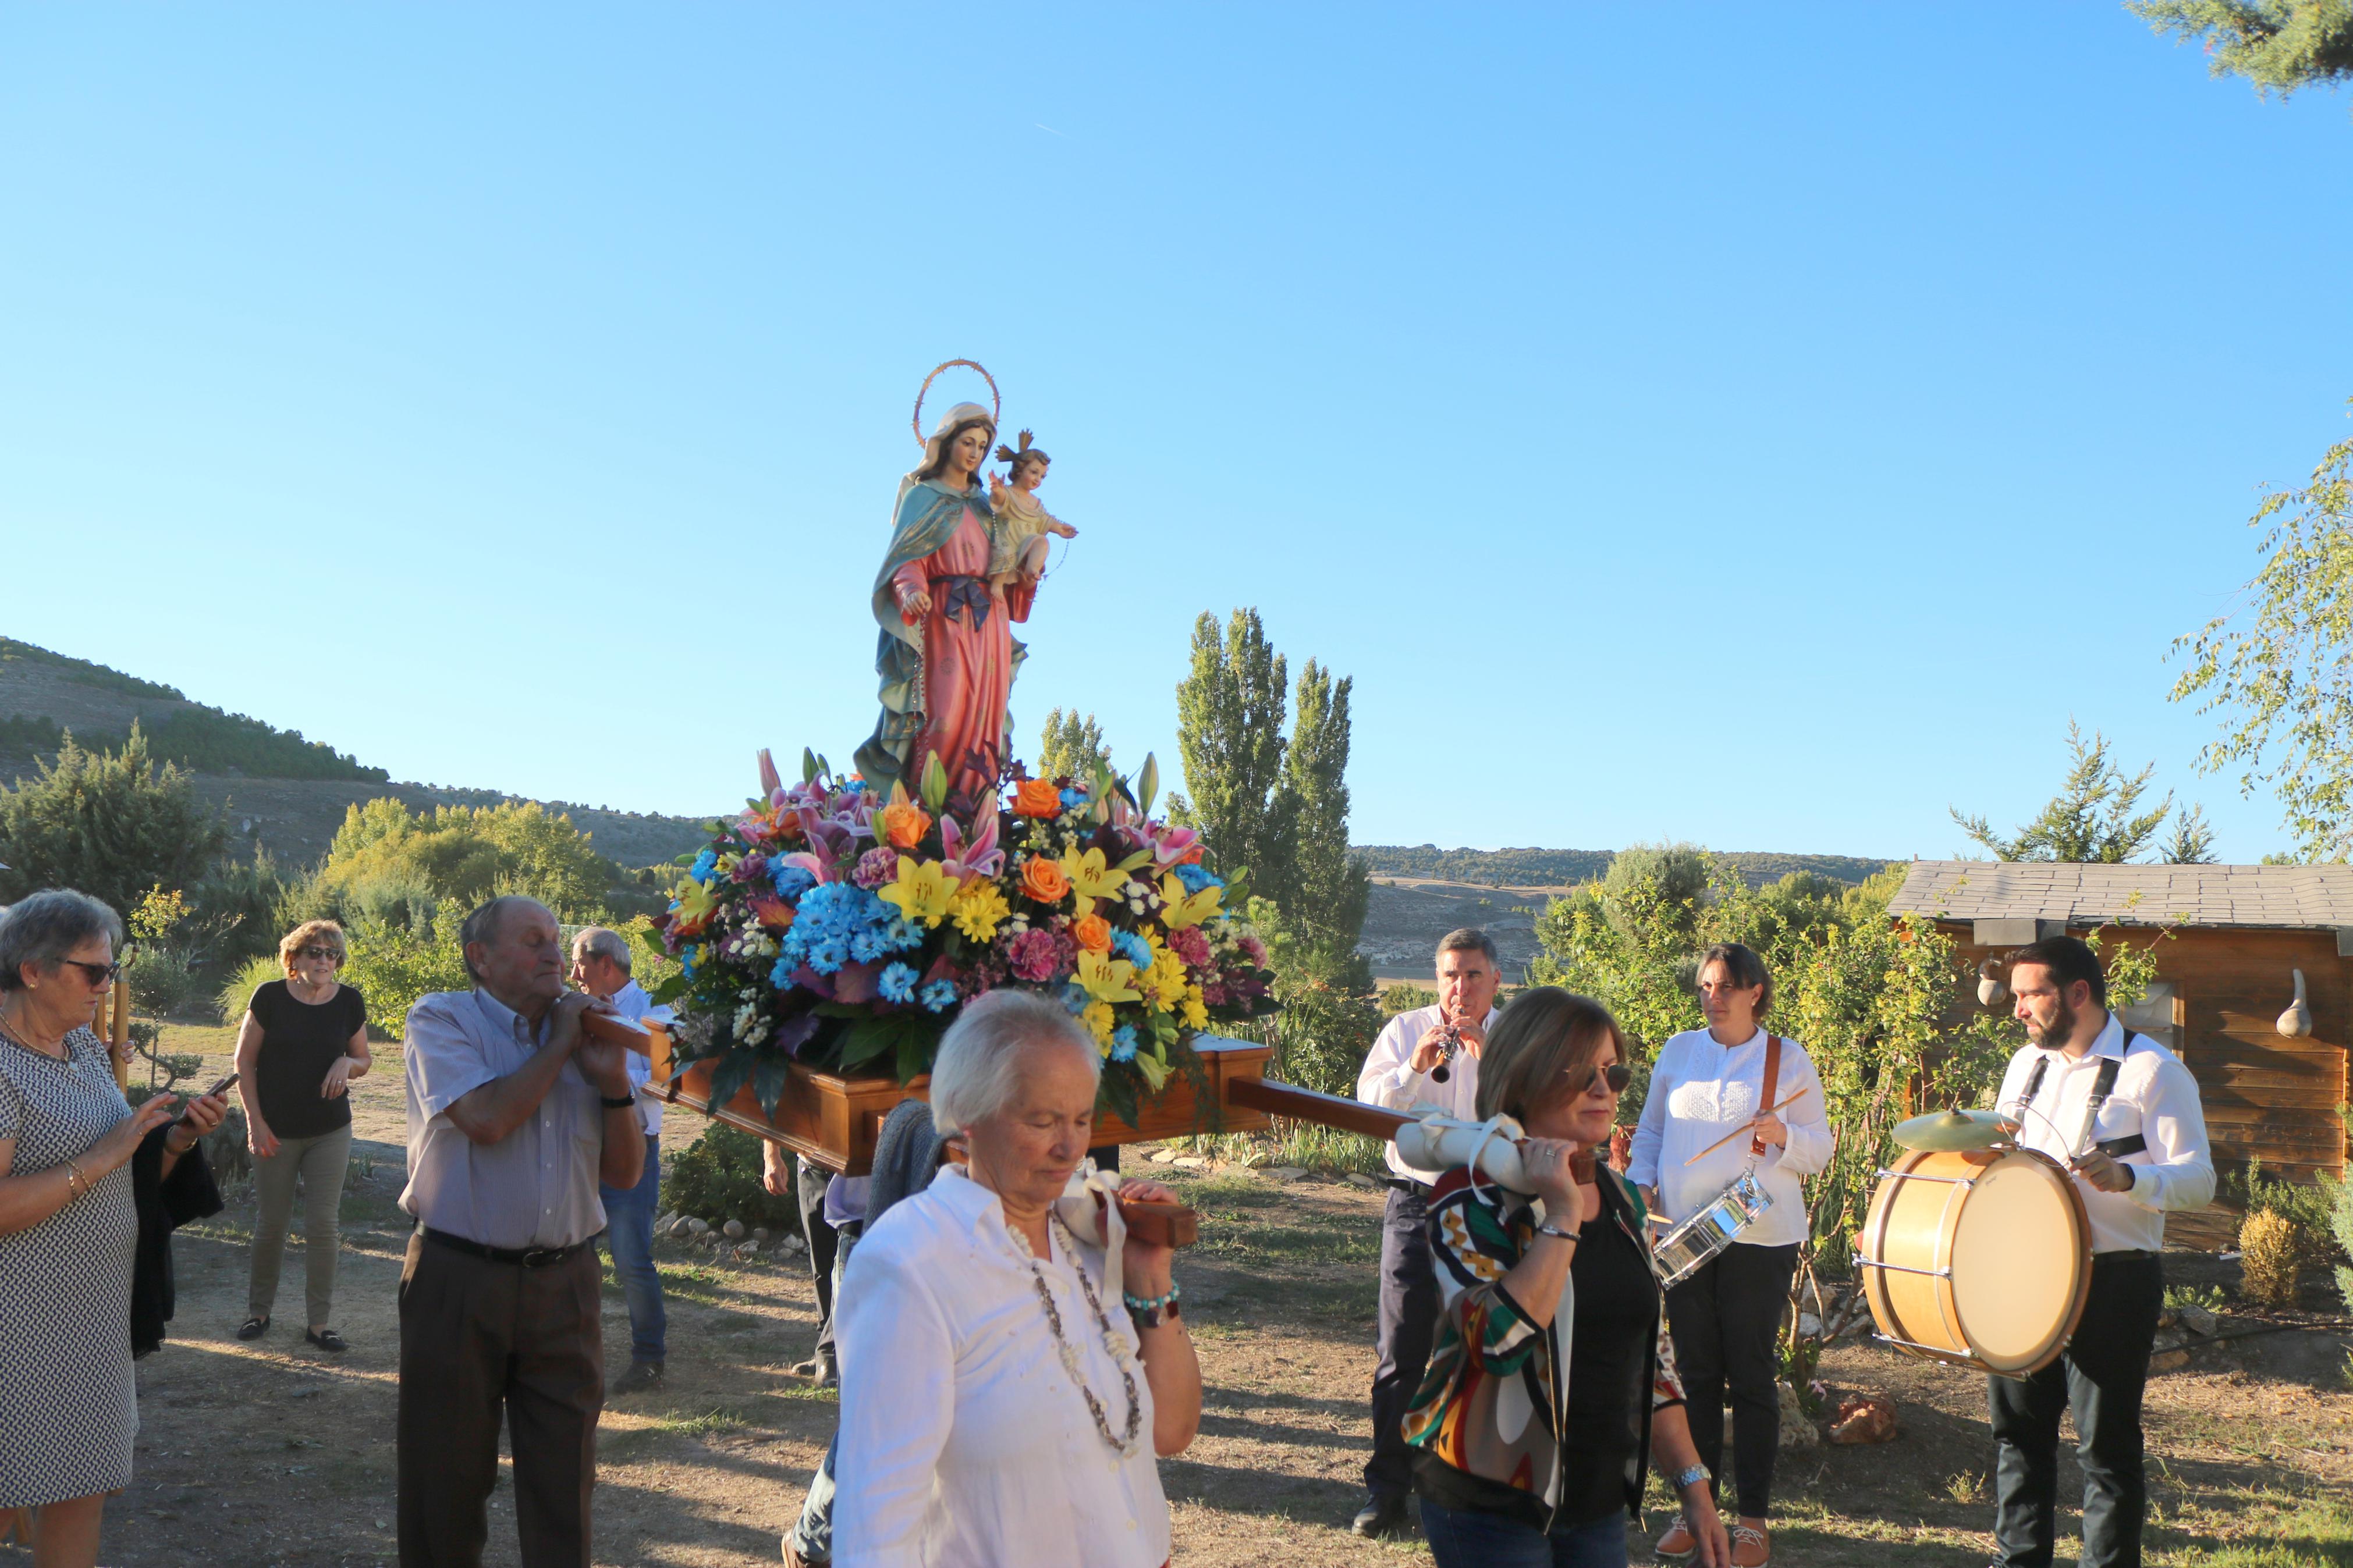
[(275, 1454)]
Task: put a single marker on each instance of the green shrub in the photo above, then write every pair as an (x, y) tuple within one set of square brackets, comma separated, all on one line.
[(2268, 1258), (2340, 1224), (164, 982), (717, 1178), (239, 989), (1402, 997)]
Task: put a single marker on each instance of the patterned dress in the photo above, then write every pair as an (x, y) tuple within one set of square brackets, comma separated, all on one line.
[(67, 1408)]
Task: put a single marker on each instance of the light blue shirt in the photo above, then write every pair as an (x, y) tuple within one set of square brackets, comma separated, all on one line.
[(631, 1002), (535, 1187)]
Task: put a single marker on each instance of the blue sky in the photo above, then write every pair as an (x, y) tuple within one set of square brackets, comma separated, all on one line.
[(1759, 425)]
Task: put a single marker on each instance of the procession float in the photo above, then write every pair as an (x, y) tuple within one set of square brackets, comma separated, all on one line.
[(830, 933)]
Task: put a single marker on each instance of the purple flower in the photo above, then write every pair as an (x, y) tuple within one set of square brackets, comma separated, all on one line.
[(876, 867), (1034, 956), (750, 868)]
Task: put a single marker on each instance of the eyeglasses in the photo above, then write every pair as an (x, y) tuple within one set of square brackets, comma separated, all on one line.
[(328, 954), (96, 973), (1618, 1075)]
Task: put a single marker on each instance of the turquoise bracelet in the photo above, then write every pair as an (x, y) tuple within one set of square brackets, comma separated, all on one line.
[(1151, 1304)]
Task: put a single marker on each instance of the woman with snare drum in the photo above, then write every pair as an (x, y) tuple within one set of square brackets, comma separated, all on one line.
[(1726, 1316), (1551, 1381)]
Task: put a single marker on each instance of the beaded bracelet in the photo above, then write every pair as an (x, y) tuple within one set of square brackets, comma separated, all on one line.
[(1151, 1304)]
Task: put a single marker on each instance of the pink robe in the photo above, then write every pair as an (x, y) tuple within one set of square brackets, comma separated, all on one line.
[(967, 670)]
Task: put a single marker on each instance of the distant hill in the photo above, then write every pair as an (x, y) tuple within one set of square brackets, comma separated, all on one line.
[(1567, 868), (274, 786), (45, 694)]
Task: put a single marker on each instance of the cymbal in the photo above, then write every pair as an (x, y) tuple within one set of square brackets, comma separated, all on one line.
[(1945, 1131)]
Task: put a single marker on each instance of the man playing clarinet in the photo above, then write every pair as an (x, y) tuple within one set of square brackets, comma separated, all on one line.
[(1427, 1057), (2120, 1111)]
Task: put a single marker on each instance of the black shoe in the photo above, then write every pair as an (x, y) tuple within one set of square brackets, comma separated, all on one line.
[(641, 1376), (1384, 1513), (821, 1367), (253, 1327), (326, 1340)]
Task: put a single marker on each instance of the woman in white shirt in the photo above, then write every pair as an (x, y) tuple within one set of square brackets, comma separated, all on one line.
[(1005, 1384), (1726, 1320)]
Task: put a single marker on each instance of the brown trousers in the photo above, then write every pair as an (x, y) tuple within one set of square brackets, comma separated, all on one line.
[(477, 1337)]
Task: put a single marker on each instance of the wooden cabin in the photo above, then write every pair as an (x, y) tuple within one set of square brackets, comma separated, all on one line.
[(2228, 940)]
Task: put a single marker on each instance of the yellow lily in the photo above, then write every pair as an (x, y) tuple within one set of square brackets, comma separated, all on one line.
[(979, 910), (1090, 876), (1108, 979), (1179, 909), (1153, 1069), (696, 903), (924, 892)]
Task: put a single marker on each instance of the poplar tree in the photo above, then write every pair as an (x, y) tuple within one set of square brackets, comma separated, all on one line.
[(1070, 747), (1330, 887), (2278, 46), (1229, 712)]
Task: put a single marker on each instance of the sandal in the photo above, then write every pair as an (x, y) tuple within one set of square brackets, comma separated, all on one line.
[(326, 1340), (253, 1327)]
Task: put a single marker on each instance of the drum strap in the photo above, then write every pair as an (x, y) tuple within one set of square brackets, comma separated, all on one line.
[(1765, 1099)]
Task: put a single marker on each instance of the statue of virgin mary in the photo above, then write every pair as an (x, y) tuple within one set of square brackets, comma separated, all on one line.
[(945, 655)]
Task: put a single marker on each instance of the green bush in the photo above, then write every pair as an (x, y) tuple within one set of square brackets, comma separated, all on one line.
[(164, 982), (255, 974), (718, 1179), (110, 824)]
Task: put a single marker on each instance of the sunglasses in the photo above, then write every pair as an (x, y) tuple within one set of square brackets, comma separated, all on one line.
[(1618, 1075), (328, 954), (96, 973)]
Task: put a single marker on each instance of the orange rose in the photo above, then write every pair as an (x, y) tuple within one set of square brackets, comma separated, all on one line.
[(1042, 880), (1037, 797), (904, 824), (1093, 935)]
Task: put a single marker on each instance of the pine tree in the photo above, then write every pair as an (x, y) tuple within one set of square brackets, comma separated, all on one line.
[(1229, 712), (2092, 820), (1070, 747), (111, 825)]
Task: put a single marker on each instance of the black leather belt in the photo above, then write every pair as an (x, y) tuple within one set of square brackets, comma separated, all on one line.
[(2124, 1254), (527, 1256), (1417, 1189)]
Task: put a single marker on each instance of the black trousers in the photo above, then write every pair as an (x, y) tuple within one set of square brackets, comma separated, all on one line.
[(1408, 1322), (1725, 1321), (824, 1241), (2100, 1377)]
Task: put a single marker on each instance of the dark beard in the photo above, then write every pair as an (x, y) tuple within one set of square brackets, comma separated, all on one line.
[(2061, 1029)]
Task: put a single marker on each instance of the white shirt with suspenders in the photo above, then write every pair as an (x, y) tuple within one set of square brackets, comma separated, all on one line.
[(2132, 1099)]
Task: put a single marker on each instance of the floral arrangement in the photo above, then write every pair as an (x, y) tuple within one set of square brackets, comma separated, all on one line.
[(836, 926)]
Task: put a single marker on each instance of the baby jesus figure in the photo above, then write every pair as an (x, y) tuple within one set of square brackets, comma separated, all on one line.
[(1017, 557)]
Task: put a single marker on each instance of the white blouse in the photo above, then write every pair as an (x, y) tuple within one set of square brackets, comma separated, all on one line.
[(963, 1443), (1701, 1090)]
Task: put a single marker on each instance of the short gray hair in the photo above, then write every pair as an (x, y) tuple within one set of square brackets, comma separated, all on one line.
[(602, 942), (42, 930), (483, 926), (977, 1070), (1464, 940)]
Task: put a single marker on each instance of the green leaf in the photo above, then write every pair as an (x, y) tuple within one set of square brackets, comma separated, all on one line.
[(729, 1076), (867, 1040), (670, 987), (916, 1046), (809, 765), (1147, 784), (1118, 1094), (768, 1079)]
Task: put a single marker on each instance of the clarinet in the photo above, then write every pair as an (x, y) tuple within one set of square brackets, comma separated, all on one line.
[(1450, 1043)]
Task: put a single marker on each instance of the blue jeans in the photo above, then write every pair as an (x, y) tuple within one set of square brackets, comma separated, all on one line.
[(630, 1236), (1471, 1538)]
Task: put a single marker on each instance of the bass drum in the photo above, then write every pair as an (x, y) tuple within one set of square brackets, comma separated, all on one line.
[(1978, 1258)]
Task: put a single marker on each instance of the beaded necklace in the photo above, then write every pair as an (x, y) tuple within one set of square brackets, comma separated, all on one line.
[(1125, 1447)]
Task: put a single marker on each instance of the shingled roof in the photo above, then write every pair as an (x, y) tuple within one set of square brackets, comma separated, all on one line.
[(2275, 896)]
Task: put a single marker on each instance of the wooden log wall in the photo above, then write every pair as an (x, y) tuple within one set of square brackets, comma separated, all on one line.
[(2265, 1096)]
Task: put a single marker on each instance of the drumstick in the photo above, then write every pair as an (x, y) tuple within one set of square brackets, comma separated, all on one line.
[(1737, 1131)]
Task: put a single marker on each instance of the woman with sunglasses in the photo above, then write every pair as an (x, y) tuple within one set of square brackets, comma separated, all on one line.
[(303, 1039), (69, 1409), (1552, 1384), (1706, 1088)]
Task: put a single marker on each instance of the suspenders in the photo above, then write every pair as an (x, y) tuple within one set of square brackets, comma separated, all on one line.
[(2103, 1084)]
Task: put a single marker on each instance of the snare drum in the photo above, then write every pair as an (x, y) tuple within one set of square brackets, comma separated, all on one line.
[(1682, 1249), (1978, 1258)]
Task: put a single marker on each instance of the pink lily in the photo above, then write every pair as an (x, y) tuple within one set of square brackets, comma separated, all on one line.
[(1174, 844), (980, 858)]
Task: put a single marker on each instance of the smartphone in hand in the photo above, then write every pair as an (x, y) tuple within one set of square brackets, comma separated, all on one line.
[(223, 1087)]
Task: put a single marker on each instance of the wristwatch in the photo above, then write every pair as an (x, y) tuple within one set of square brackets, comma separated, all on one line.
[(1688, 1477)]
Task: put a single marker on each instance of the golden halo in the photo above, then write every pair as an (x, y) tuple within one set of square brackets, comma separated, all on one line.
[(996, 401)]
